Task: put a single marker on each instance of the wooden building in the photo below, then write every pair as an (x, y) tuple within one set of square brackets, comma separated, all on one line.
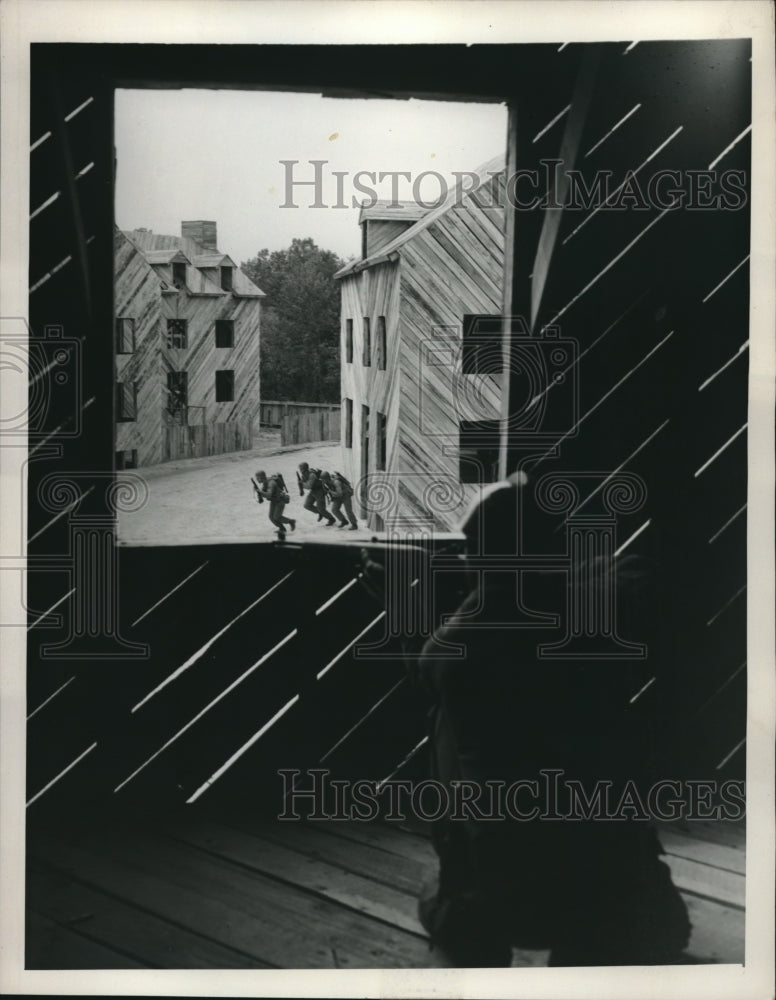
[(187, 347), (410, 399)]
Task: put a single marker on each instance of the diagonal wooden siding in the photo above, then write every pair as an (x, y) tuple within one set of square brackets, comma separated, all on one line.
[(144, 292), (379, 233), (201, 359), (452, 268), (448, 268), (138, 296)]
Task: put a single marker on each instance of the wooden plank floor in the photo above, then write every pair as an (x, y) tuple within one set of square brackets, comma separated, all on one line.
[(192, 891)]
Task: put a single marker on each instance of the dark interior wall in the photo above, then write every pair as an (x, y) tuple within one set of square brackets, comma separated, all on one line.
[(702, 86)]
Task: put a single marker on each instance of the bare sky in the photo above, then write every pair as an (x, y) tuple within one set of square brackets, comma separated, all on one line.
[(208, 154)]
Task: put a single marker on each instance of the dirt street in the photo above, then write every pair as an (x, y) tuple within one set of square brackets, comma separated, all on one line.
[(211, 499)]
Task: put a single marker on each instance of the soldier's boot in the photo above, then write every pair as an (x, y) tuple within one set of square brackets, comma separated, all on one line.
[(458, 937)]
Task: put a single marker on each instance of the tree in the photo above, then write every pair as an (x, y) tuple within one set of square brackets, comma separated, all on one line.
[(300, 329)]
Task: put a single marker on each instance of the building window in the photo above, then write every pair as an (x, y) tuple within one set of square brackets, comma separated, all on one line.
[(226, 279), (481, 344), (224, 333), (367, 358), (348, 423), (364, 457), (225, 386), (125, 335), (126, 401), (126, 459), (177, 333), (381, 343), (177, 391), (349, 341), (179, 274), (380, 451), (478, 451)]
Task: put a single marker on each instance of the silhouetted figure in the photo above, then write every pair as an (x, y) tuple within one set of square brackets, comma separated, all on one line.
[(594, 892)]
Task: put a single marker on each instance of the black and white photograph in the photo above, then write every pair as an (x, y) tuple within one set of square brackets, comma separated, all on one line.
[(388, 552)]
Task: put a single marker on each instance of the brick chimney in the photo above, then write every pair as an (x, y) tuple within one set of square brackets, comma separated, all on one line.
[(203, 232)]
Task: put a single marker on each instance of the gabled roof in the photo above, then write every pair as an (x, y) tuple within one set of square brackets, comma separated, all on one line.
[(213, 259), (170, 256), (159, 248), (392, 211), (243, 287), (484, 174)]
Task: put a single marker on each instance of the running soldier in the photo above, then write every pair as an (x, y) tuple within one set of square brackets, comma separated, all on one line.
[(310, 480), (342, 493), (274, 491)]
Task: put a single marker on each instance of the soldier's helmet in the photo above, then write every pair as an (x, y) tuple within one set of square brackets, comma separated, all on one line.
[(491, 527), (304, 468), (491, 522), (261, 475)]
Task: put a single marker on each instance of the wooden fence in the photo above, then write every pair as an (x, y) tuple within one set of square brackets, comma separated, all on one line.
[(272, 411), (298, 428), (199, 440)]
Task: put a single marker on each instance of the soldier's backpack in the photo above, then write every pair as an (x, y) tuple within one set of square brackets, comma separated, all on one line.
[(347, 489)]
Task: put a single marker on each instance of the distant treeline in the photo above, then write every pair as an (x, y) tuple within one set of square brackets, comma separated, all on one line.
[(300, 356)]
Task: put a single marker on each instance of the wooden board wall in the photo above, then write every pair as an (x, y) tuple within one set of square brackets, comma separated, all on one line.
[(372, 293), (200, 440), (179, 598), (201, 359), (657, 299), (320, 425), (138, 296), (445, 270), (451, 268), (272, 411), (381, 232)]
